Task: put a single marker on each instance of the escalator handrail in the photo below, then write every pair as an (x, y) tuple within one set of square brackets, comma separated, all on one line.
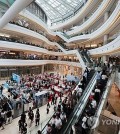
[(87, 57), (82, 56), (103, 98), (80, 103)]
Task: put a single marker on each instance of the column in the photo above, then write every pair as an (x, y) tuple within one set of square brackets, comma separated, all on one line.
[(15, 8), (105, 58), (105, 39), (106, 16), (84, 19), (42, 71)]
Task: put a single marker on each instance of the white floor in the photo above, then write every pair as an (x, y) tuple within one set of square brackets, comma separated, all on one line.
[(44, 118)]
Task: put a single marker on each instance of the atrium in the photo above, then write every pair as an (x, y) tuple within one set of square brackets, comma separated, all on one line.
[(59, 66)]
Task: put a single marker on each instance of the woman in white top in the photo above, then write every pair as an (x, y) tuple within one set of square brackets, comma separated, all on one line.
[(58, 123), (93, 103)]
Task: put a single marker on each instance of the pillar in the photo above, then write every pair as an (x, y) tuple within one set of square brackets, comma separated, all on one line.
[(15, 8), (42, 71), (105, 58), (106, 16), (105, 39), (84, 19)]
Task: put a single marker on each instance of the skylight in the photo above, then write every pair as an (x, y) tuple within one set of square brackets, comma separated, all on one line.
[(59, 9)]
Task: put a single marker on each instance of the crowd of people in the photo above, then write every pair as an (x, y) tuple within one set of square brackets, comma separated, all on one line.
[(27, 89), (28, 27), (43, 33), (87, 118), (18, 55), (66, 106), (16, 40), (22, 123), (38, 31), (44, 81), (36, 83)]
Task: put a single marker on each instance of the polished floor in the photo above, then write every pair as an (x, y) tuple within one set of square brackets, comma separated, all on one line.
[(44, 118)]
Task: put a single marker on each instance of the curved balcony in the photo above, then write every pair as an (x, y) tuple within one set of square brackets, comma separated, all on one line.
[(84, 11), (37, 21), (104, 29), (27, 32), (111, 47), (95, 16), (27, 48), (107, 26), (16, 62)]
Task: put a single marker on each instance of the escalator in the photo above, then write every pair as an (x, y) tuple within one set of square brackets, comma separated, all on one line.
[(83, 60), (82, 56), (94, 114), (86, 58), (62, 45), (91, 82)]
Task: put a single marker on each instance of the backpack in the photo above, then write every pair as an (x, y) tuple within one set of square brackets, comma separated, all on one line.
[(90, 122), (38, 116)]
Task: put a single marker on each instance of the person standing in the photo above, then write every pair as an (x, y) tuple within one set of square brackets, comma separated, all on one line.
[(3, 114), (29, 111), (23, 117), (47, 109), (37, 117), (25, 128), (48, 104), (1, 122), (39, 132), (1, 89), (31, 117), (9, 116), (20, 125), (52, 101)]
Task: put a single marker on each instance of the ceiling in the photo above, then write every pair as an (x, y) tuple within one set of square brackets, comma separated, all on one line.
[(57, 10)]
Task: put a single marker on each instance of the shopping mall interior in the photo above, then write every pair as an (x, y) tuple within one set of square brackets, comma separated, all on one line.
[(59, 67)]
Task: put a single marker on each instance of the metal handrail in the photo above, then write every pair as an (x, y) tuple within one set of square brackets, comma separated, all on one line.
[(79, 107), (102, 102)]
